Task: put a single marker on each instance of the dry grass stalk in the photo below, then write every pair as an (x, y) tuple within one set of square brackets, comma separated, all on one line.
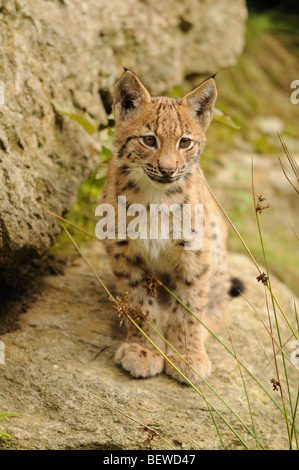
[(292, 162), (151, 433)]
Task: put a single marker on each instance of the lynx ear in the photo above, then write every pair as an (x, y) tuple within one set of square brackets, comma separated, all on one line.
[(130, 94), (201, 102)]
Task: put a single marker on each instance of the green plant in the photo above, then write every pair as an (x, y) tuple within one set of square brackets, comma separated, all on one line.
[(3, 416)]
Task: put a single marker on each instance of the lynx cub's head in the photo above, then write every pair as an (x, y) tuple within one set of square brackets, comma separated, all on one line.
[(159, 140)]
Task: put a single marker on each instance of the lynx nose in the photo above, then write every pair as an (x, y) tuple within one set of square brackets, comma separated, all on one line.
[(167, 170)]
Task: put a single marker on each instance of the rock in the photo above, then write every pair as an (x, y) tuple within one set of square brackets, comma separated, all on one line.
[(71, 53), (165, 42), (44, 158), (59, 373)]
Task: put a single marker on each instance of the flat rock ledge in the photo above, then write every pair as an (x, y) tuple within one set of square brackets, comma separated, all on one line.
[(59, 368)]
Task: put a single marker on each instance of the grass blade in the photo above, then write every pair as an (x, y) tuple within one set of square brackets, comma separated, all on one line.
[(268, 284), (245, 388), (145, 427)]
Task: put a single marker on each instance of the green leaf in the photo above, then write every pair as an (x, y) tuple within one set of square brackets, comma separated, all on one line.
[(101, 173), (7, 415), (3, 435), (105, 154), (224, 119), (74, 116), (106, 137), (2, 417)]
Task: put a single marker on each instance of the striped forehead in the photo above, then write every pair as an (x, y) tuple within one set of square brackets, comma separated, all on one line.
[(167, 119)]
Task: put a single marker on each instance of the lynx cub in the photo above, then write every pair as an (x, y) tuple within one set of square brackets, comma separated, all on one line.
[(159, 141)]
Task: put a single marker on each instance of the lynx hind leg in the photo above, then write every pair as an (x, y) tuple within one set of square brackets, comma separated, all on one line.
[(219, 285), (217, 307)]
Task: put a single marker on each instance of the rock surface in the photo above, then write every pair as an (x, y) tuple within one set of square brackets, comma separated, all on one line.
[(71, 52), (61, 359)]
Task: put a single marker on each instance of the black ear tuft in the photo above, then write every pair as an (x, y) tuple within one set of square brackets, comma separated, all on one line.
[(237, 287), (206, 79)]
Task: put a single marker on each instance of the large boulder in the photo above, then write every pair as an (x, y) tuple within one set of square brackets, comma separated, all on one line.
[(70, 53)]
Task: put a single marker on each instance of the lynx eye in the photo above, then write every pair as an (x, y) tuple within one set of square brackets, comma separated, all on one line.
[(185, 143), (149, 140)]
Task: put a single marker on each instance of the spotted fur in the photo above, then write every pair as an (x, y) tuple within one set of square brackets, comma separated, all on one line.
[(166, 172)]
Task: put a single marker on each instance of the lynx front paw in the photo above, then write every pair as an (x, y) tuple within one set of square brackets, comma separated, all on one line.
[(138, 360), (200, 362)]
